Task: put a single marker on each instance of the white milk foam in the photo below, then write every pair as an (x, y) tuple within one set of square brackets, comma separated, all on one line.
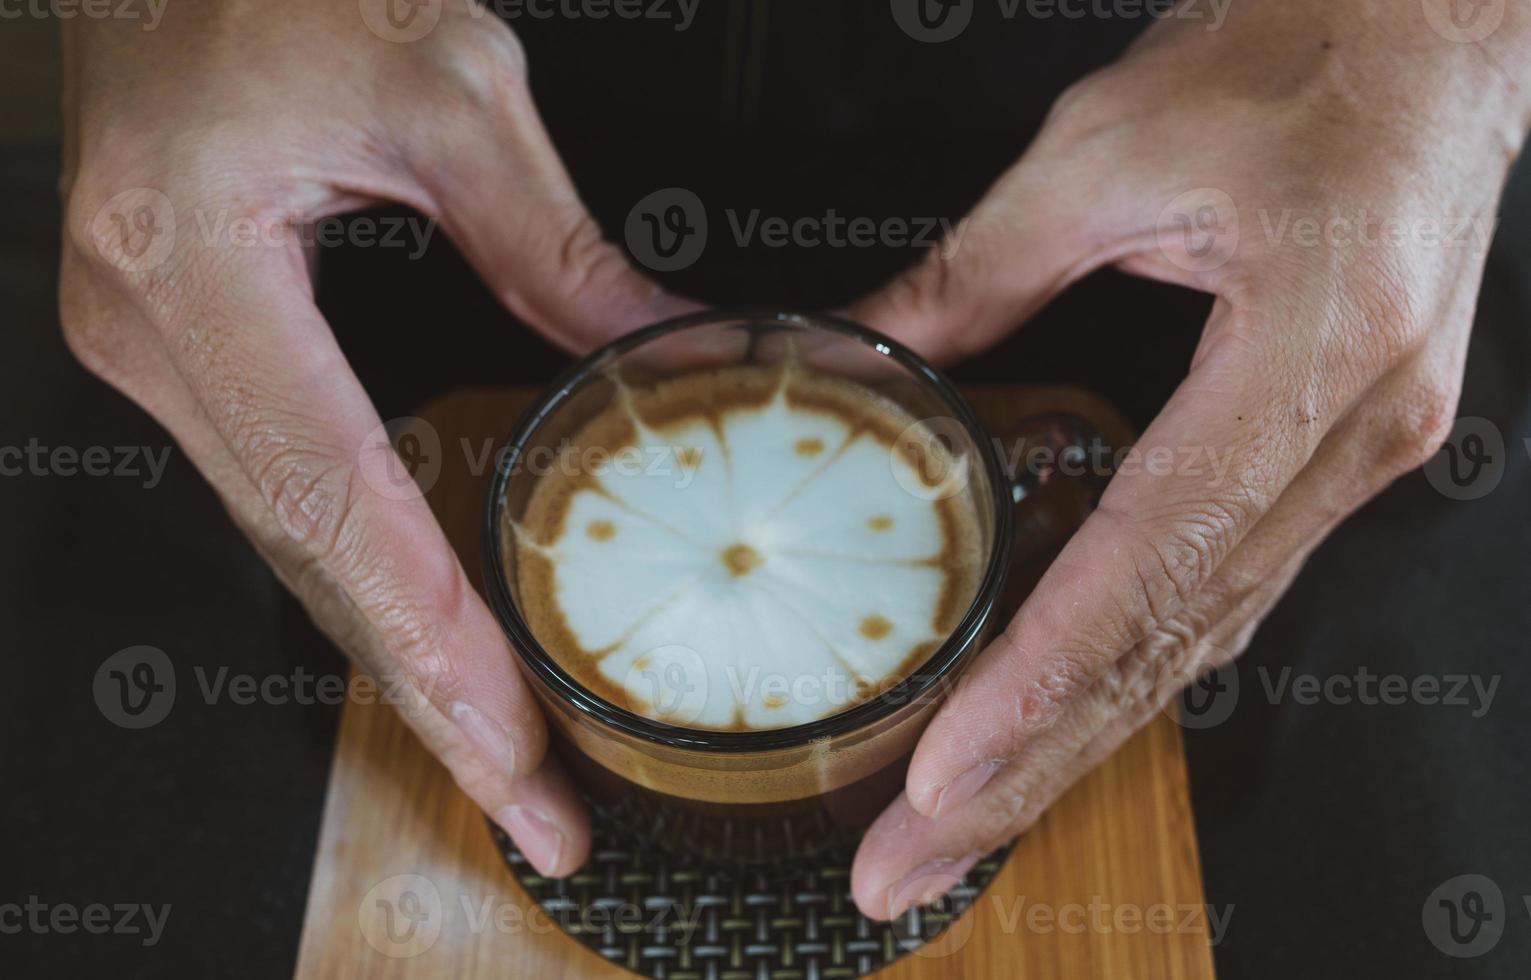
[(748, 570)]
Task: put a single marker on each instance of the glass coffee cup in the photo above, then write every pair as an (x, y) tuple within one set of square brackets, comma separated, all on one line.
[(746, 795)]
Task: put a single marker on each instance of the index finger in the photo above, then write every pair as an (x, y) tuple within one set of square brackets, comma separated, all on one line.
[(373, 567), (1160, 532)]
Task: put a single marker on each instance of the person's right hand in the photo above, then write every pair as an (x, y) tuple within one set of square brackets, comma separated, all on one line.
[(284, 112)]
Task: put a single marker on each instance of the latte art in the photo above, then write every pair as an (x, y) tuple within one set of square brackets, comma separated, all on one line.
[(747, 548)]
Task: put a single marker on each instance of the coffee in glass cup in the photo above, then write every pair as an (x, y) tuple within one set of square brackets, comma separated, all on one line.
[(742, 557)]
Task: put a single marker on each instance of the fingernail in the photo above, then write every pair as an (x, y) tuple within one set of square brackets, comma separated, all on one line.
[(535, 835), (964, 787), (666, 304), (928, 882), (488, 737)]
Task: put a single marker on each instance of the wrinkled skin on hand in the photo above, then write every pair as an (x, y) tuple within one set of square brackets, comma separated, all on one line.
[(1330, 365), (1330, 173), (235, 124)]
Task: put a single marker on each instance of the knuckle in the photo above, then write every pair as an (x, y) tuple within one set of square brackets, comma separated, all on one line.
[(1422, 428), (92, 336), (416, 640), (918, 295), (1083, 105), (308, 490), (935, 299), (1171, 566), (479, 59), (1177, 555), (95, 239), (1138, 678), (593, 266), (85, 236), (1172, 558)]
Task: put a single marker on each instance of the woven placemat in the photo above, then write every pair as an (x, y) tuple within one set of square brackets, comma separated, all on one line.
[(670, 918)]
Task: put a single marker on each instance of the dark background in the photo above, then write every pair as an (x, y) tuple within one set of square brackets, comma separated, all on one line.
[(1325, 827)]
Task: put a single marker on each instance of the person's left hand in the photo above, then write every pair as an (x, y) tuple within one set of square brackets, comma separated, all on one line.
[(1330, 172)]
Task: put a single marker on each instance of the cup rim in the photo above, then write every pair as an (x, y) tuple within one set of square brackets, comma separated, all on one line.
[(910, 689)]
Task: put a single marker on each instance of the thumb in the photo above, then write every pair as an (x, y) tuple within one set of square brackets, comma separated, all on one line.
[(492, 176), (1055, 216)]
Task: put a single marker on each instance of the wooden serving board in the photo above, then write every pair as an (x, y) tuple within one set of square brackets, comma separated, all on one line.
[(407, 883)]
